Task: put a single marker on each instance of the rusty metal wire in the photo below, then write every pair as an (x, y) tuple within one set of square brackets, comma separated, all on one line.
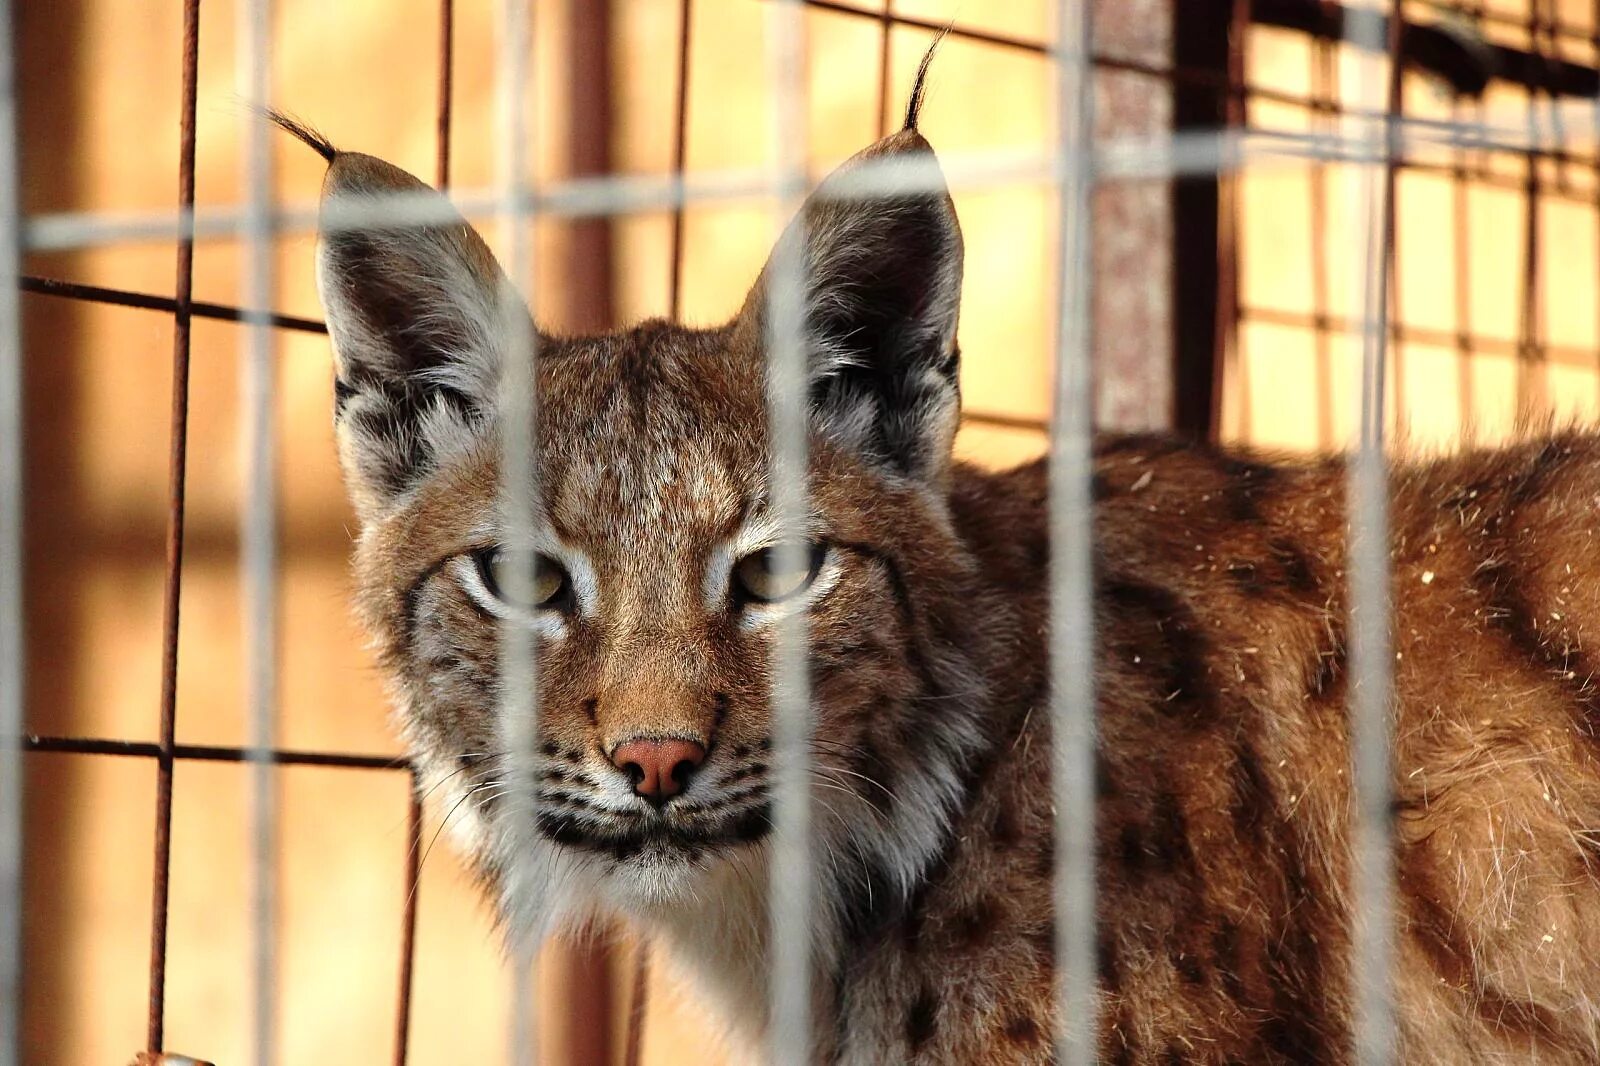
[(177, 466)]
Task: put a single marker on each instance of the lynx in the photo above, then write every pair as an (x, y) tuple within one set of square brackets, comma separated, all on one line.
[(1222, 778)]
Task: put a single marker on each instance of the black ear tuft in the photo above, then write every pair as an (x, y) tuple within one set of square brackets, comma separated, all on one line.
[(303, 133), (919, 85)]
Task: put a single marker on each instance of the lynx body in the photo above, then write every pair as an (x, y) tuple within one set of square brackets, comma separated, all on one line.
[(1223, 783)]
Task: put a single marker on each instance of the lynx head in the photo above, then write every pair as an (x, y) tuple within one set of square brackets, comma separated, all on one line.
[(651, 583)]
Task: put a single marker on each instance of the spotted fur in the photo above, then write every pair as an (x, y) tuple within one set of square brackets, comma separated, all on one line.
[(1222, 780)]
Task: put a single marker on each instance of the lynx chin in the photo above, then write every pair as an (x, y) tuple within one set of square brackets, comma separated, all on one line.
[(654, 573)]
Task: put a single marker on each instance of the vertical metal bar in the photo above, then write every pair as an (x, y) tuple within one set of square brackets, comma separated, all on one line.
[(680, 155), (11, 587), (1072, 692), (447, 66), (791, 876), (408, 919), (515, 404), (1388, 283), (885, 38), (177, 463), (1462, 166), (1324, 91), (258, 531), (638, 1005), (408, 922), (1226, 335), (1368, 502), (1531, 390), (639, 995)]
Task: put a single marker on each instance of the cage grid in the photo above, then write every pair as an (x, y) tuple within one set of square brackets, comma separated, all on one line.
[(1213, 94)]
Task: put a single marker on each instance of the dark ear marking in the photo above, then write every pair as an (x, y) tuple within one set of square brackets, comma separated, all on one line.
[(343, 391)]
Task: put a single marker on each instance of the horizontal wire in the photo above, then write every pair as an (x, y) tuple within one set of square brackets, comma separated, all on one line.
[(1427, 336), (1406, 332), (1134, 158), (148, 302), (1315, 18), (210, 752)]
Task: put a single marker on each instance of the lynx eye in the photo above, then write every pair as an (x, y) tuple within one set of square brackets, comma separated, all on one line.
[(526, 580), (767, 576)]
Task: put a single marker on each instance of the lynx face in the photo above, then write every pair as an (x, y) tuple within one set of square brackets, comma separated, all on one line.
[(653, 578)]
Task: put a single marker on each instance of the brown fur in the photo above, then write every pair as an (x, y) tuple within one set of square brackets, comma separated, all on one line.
[(1223, 767)]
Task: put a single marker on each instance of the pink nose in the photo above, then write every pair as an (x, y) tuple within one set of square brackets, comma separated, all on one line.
[(658, 768)]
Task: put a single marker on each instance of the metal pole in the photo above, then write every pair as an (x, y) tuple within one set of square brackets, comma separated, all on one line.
[(1371, 666), (11, 574), (1072, 694), (258, 521), (791, 877), (515, 405)]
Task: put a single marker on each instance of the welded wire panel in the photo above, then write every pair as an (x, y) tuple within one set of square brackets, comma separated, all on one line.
[(258, 524), (1072, 692), (1371, 665), (791, 875), (1360, 142), (11, 661), (516, 407)]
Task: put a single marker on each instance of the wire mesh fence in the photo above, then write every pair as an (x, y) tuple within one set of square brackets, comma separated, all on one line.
[(1472, 97)]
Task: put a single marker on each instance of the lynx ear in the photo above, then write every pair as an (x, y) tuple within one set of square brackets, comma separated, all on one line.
[(883, 293), (415, 321)]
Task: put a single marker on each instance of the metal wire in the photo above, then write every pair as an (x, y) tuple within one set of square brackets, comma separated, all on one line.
[(517, 411), (258, 525), (414, 813), (791, 876), (146, 301), (211, 753), (1531, 373), (638, 1008), (11, 561), (446, 116), (1071, 641), (680, 156), (177, 466), (1371, 666), (1114, 158), (1323, 75)]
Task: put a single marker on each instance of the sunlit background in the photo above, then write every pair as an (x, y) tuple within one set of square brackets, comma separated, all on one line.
[(1223, 311)]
